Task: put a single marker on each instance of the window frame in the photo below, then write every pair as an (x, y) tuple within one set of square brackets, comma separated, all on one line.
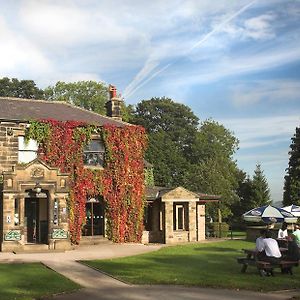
[(23, 148), (99, 154)]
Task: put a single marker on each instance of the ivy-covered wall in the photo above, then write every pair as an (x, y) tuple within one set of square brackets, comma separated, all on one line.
[(121, 182)]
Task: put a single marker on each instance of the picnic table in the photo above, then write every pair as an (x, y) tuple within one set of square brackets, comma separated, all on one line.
[(252, 259)]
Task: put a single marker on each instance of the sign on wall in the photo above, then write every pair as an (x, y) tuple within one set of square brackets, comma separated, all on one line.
[(59, 234), (13, 235)]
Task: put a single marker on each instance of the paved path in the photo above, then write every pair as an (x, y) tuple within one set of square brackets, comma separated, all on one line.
[(96, 285)]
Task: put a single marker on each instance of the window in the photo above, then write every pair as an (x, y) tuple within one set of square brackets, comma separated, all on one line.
[(148, 216), (17, 212), (93, 154), (55, 212), (180, 216), (27, 151)]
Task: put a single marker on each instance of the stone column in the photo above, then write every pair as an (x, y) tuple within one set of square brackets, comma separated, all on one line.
[(192, 221), (22, 220), (169, 235), (201, 222)]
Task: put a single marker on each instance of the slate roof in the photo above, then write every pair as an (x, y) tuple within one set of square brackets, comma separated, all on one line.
[(16, 109), (156, 192)]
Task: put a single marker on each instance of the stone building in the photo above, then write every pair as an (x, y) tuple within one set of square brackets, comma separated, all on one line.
[(175, 215), (33, 195)]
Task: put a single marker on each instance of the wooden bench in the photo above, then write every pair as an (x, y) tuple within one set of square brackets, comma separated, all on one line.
[(264, 267)]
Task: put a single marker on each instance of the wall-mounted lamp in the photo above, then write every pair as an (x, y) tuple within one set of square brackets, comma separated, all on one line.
[(37, 188)]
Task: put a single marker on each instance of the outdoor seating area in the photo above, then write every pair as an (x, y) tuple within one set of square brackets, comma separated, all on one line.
[(275, 247), (264, 267)]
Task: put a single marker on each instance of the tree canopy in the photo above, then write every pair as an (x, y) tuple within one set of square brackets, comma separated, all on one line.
[(184, 152), (19, 88), (291, 193), (90, 95), (260, 194)]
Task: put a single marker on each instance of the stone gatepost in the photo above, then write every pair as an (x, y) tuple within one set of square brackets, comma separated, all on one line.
[(192, 222)]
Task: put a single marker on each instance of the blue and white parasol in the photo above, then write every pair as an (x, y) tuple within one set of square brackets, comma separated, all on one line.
[(269, 214), (293, 209)]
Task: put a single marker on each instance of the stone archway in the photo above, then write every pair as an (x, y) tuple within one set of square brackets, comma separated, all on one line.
[(34, 208)]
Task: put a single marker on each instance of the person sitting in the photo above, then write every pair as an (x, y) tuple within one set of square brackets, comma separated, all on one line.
[(259, 241), (270, 252), (293, 252), (282, 232), (271, 248), (259, 245), (296, 235)]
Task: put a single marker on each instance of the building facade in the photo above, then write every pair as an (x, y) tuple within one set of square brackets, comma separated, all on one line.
[(34, 196)]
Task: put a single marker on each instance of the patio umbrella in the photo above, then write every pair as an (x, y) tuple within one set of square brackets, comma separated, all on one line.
[(269, 214), (293, 209)]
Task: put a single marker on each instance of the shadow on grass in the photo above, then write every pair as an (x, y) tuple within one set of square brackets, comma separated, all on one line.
[(216, 249), (205, 266)]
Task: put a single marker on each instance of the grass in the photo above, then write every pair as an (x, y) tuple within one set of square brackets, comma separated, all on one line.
[(31, 281), (205, 265), (237, 234)]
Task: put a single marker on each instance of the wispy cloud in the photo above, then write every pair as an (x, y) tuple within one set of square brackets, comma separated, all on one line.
[(145, 74), (258, 132), (271, 91)]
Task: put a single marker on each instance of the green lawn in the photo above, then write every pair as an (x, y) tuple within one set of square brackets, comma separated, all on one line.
[(206, 265), (31, 281)]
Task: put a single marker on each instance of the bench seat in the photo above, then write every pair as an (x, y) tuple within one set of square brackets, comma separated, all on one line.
[(286, 266)]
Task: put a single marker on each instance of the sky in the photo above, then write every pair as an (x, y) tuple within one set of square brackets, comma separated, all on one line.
[(234, 61)]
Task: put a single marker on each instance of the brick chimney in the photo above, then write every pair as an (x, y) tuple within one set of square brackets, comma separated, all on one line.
[(114, 104)]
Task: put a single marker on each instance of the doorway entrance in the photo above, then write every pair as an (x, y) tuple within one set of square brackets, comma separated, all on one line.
[(36, 220), (94, 220)]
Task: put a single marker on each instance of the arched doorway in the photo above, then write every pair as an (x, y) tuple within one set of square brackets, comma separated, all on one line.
[(94, 220), (36, 217)]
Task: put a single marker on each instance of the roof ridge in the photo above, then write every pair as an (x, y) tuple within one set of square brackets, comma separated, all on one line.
[(64, 103)]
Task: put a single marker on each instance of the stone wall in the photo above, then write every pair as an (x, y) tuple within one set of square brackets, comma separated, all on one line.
[(9, 132)]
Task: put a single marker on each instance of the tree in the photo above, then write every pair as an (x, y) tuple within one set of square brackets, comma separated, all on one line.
[(170, 166), (182, 153), (214, 170), (291, 193), (260, 194), (165, 115), (244, 204), (90, 95), (19, 88)]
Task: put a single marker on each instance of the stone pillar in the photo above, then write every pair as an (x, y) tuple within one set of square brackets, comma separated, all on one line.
[(192, 221), (22, 220), (169, 234), (201, 222)]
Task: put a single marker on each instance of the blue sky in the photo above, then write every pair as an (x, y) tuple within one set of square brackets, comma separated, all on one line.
[(237, 62)]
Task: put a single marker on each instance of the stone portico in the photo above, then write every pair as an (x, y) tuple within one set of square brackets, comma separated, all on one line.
[(174, 216), (34, 207)]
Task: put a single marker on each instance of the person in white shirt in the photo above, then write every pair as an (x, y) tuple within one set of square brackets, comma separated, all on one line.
[(282, 232), (271, 248), (259, 243)]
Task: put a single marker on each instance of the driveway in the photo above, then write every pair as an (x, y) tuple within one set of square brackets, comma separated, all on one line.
[(97, 285)]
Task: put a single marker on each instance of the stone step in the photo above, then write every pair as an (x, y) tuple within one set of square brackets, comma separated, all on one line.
[(94, 240), (35, 248)]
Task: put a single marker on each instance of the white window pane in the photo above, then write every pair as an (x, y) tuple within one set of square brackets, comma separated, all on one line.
[(31, 145), (27, 156)]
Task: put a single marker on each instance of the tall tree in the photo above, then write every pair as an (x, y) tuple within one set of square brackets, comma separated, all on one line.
[(260, 188), (90, 95), (182, 153), (213, 169), (244, 192), (291, 193), (163, 114), (19, 88)]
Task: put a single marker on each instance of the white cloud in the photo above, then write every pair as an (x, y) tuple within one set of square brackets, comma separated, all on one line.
[(256, 132), (18, 54), (265, 90), (260, 27)]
